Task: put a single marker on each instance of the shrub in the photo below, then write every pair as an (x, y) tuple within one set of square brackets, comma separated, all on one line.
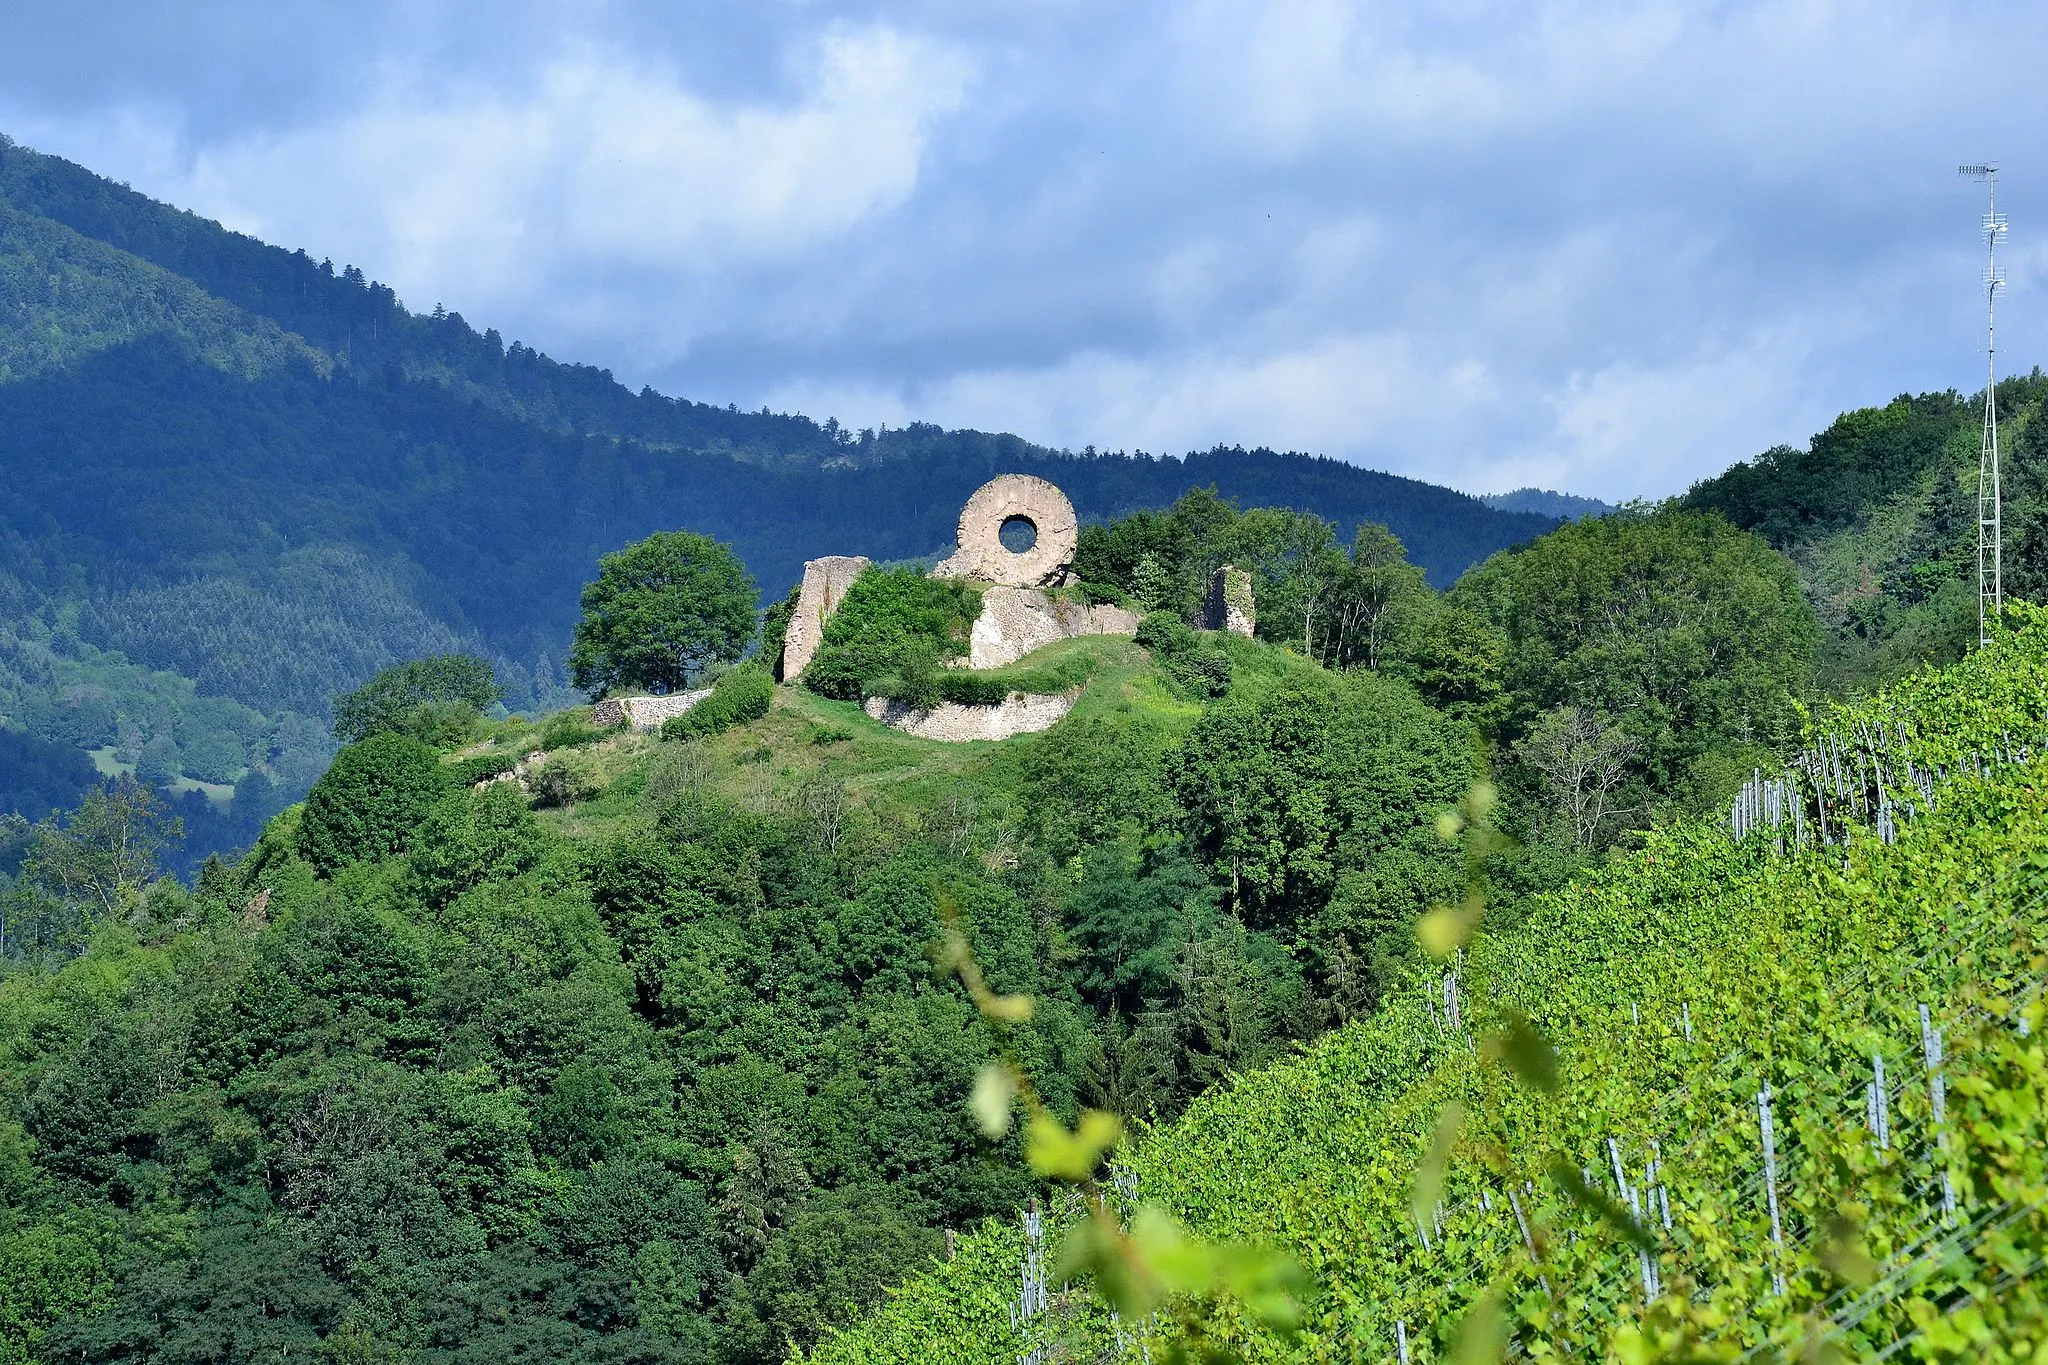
[(467, 839), (743, 694), (470, 771), (569, 731), (897, 627), (565, 780), (1165, 633), (1195, 660), (972, 689), (370, 801), (435, 700)]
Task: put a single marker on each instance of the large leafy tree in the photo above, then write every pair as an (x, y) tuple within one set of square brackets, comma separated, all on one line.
[(1287, 793), (1691, 634), (660, 611)]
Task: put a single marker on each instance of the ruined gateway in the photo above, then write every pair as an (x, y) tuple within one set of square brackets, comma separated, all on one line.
[(1018, 614)]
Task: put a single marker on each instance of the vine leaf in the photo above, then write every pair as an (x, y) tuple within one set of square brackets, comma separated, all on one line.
[(995, 1089), (1057, 1154), (1526, 1051)]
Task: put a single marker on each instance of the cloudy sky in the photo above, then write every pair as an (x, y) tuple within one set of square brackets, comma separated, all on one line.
[(1607, 247)]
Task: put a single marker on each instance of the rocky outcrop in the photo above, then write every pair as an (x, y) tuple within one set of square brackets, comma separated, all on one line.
[(825, 583), (644, 713), (1021, 713), (980, 553), (1015, 621), (1230, 604)]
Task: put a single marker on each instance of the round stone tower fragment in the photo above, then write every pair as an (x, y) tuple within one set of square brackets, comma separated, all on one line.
[(981, 554)]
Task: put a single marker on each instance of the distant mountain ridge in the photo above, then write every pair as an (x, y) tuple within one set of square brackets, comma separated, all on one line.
[(1544, 503), (236, 464)]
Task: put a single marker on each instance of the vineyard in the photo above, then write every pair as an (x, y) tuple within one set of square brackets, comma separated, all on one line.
[(1796, 1101)]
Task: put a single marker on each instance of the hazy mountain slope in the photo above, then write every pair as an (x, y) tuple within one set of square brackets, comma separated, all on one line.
[(64, 296)]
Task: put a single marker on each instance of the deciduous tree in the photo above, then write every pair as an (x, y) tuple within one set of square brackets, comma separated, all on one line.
[(661, 610)]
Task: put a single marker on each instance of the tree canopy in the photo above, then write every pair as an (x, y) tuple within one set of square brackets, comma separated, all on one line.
[(661, 610), (433, 700), (1689, 634)]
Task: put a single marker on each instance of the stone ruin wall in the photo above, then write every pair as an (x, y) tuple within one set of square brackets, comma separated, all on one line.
[(825, 583), (1230, 605), (1017, 614)]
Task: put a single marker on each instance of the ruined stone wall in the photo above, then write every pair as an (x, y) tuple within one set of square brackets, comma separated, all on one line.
[(645, 713), (1021, 713), (825, 583), (1015, 621), (1230, 605)]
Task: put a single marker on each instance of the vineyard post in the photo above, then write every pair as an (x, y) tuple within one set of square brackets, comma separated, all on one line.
[(1878, 1101), (1528, 1241), (1937, 1099), (1763, 1115)]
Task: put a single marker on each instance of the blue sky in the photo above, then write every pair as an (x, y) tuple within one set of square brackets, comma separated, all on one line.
[(1607, 247)]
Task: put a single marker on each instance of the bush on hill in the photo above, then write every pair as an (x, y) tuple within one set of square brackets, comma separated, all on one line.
[(436, 700), (370, 801), (742, 693), (662, 610), (1196, 661), (891, 633)]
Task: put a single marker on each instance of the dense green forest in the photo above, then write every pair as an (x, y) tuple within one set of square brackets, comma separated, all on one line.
[(1879, 513), (636, 1050), (236, 464)]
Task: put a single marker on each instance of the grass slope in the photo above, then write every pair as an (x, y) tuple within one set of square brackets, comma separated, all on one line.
[(806, 739), (1675, 983)]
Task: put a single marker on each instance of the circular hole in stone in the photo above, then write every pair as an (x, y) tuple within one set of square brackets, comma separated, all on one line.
[(1018, 534)]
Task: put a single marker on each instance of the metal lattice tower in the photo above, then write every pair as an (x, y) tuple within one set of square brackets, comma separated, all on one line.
[(1990, 555)]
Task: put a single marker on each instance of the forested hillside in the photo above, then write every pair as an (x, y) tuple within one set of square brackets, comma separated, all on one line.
[(1768, 1091), (1879, 513), (232, 463), (524, 1038)]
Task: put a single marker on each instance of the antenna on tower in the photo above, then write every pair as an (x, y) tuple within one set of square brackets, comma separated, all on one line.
[(1990, 556)]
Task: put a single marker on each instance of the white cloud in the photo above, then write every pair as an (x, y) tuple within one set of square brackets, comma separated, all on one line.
[(1609, 245), (598, 165)]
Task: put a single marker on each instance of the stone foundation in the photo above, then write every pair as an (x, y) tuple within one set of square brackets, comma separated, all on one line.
[(644, 713), (1021, 713)]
